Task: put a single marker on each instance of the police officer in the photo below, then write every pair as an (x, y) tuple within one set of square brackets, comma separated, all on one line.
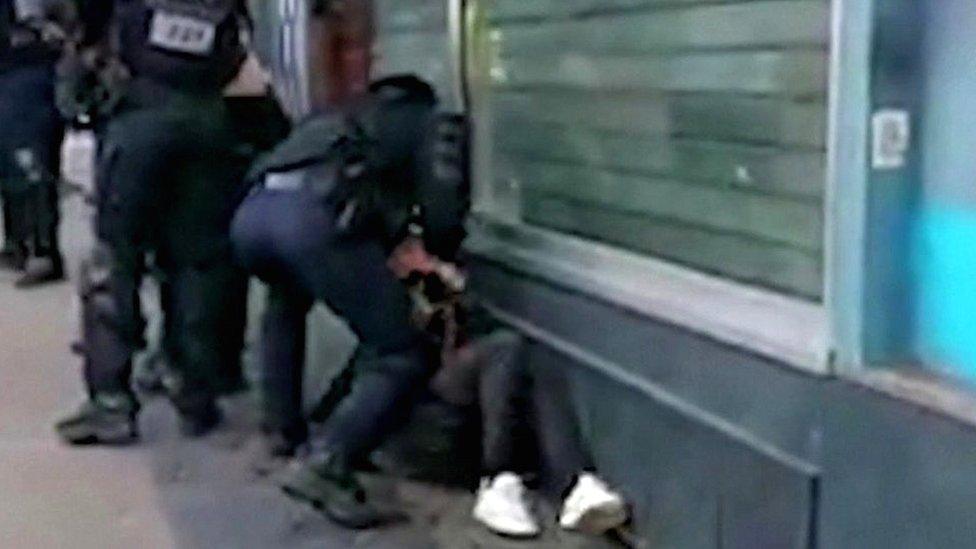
[(259, 124), (169, 178), (334, 201), (30, 137)]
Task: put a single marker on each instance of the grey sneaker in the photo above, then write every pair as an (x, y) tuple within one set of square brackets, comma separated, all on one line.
[(334, 491), (104, 419)]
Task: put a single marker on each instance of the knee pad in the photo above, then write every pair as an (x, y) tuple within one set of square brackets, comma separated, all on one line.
[(94, 271), (98, 300)]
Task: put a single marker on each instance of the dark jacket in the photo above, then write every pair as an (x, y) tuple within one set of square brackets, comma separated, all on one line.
[(400, 161)]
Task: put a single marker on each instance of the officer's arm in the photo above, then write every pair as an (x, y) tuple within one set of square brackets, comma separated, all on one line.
[(444, 188)]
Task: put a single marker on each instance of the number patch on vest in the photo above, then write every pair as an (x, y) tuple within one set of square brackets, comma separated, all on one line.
[(182, 34)]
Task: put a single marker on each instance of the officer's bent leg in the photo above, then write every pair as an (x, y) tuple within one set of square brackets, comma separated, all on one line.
[(265, 228), (390, 367)]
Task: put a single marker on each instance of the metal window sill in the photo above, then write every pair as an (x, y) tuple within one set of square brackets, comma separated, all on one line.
[(784, 329)]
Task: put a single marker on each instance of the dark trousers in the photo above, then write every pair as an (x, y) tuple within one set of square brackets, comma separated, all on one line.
[(197, 304), (168, 183), (526, 409), (288, 239), (31, 133)]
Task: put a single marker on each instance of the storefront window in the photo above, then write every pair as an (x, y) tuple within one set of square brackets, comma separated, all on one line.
[(693, 133)]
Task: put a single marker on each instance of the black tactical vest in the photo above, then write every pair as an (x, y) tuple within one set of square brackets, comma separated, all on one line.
[(189, 45)]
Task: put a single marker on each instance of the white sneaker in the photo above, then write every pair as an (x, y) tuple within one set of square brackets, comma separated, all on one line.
[(592, 507), (503, 508)]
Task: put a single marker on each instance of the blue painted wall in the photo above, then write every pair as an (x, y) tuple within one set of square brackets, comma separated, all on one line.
[(944, 235)]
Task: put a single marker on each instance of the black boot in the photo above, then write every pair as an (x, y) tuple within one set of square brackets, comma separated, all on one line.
[(285, 442), (13, 258), (51, 271), (104, 419), (328, 484), (232, 386), (272, 449), (201, 421)]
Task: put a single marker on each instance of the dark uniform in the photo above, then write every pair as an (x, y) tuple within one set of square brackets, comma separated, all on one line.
[(30, 140), (170, 175), (331, 204)]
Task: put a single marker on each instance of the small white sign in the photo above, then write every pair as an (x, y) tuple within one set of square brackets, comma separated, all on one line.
[(182, 34), (891, 129)]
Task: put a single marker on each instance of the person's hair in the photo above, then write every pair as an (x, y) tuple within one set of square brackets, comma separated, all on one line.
[(321, 8), (404, 87)]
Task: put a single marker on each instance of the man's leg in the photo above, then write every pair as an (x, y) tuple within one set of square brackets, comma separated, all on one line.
[(7, 245), (112, 330), (502, 504), (391, 365), (40, 161), (44, 211), (258, 244), (230, 375), (389, 370), (196, 311), (557, 431), (15, 252), (283, 368), (151, 372), (17, 219), (130, 161), (589, 503), (504, 400)]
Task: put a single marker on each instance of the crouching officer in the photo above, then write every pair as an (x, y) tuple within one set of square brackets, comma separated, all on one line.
[(30, 137), (169, 179), (331, 205)]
